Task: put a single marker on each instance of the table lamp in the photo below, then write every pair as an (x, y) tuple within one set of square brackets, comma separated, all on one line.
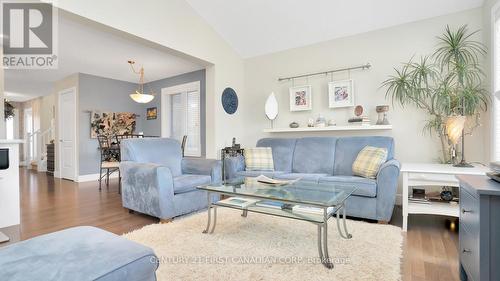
[(455, 131)]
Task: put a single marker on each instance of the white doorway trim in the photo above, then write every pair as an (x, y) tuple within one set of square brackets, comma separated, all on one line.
[(27, 129), (74, 177), (166, 106)]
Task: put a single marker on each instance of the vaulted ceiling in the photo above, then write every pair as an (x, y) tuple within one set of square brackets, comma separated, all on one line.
[(90, 49), (256, 27)]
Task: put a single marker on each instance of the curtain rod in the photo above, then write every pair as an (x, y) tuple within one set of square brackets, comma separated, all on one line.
[(362, 67)]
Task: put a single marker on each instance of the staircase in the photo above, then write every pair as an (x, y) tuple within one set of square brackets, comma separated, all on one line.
[(36, 158)]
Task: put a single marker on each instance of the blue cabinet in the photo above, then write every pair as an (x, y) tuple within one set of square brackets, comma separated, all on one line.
[(479, 235)]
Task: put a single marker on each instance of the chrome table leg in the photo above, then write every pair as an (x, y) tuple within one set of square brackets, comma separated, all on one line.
[(343, 233), (215, 219), (323, 239), (245, 213), (209, 211)]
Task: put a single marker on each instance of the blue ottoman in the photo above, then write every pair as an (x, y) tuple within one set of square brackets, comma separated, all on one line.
[(79, 253)]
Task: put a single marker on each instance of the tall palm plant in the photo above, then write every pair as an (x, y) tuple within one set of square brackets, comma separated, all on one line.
[(444, 84)]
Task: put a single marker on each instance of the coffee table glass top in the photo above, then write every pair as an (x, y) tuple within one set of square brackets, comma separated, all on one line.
[(299, 192)]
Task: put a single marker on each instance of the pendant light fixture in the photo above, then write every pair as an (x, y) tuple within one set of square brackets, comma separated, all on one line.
[(139, 96)]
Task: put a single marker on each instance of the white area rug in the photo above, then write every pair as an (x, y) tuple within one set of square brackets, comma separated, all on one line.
[(262, 247)]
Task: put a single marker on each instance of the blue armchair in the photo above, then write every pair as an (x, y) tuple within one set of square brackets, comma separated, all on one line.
[(158, 181)]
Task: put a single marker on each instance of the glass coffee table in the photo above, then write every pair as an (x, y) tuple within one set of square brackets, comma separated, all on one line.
[(300, 200)]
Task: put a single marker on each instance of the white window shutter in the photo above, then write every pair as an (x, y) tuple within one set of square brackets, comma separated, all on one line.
[(186, 121)]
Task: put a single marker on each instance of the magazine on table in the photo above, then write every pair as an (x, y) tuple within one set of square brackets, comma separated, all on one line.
[(310, 210), (268, 180), (238, 202), (270, 204)]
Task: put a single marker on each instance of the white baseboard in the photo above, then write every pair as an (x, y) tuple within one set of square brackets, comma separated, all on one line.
[(57, 174), (94, 177)]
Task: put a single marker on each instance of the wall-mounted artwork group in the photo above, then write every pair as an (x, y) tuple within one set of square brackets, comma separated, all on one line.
[(340, 94)]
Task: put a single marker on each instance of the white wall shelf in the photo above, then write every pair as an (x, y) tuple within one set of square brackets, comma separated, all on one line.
[(330, 128)]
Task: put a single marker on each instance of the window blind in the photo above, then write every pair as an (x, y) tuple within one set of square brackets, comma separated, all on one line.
[(186, 121)]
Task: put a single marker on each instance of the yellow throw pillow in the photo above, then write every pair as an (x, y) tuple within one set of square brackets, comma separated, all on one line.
[(369, 161), (259, 159)]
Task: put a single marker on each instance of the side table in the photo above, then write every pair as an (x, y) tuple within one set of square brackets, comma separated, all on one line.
[(425, 174)]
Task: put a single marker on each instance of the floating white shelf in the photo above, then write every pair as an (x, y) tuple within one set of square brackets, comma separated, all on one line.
[(330, 128)]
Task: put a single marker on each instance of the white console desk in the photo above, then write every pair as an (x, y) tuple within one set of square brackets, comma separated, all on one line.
[(421, 175)]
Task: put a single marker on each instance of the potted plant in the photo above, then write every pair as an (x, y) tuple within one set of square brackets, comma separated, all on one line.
[(8, 110), (446, 83)]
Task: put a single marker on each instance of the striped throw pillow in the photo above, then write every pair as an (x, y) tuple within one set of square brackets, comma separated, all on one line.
[(369, 161), (259, 159)]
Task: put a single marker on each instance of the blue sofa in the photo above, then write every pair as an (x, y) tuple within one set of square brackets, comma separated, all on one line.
[(158, 181), (329, 160)]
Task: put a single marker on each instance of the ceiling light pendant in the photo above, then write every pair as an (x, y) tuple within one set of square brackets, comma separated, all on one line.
[(139, 96)]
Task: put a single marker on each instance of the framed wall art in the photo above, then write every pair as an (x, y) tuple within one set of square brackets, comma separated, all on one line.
[(341, 94), (112, 123), (151, 113), (301, 98)]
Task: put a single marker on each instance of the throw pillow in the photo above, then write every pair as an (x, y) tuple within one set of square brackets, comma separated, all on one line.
[(259, 159), (368, 162)]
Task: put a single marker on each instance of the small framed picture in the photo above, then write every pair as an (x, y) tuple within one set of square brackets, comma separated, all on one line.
[(151, 113), (301, 98), (341, 93)]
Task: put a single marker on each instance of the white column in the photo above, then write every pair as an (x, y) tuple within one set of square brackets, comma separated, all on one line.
[(9, 186), (2, 120)]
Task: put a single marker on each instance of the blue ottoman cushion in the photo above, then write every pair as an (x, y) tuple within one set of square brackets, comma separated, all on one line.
[(79, 253)]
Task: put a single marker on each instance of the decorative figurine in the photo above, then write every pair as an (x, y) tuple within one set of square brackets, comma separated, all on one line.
[(271, 108), (382, 114), (310, 122)]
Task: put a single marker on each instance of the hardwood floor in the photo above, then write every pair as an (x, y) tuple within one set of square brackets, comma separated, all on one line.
[(48, 204)]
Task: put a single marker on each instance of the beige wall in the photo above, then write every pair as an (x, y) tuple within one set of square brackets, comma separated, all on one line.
[(384, 49), (174, 24)]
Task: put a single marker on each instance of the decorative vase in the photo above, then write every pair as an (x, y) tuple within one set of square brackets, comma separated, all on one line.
[(320, 122), (446, 195)]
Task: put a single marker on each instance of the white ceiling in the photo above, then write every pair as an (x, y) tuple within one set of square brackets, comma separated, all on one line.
[(89, 49), (257, 27)]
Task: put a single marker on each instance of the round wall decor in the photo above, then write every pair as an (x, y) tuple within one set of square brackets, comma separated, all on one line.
[(229, 100)]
